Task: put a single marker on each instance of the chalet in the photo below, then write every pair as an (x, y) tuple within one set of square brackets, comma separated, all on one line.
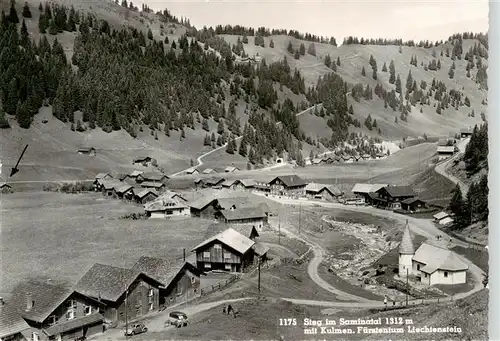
[(12, 326), (120, 191), (144, 161), (203, 208), (87, 151), (445, 152), (327, 159), (152, 177), (99, 179), (363, 191), (323, 192), (209, 171), (247, 230), (108, 187), (260, 251), (115, 287), (245, 184), (392, 196), (431, 263), (192, 171), (288, 185), (145, 195), (165, 207), (231, 169), (54, 312), (103, 176), (262, 187), (413, 204), (350, 198), (228, 250), (464, 133), (231, 204), (253, 215), (5, 188), (381, 156), (120, 176), (230, 184), (213, 182), (442, 218), (180, 279), (158, 186), (134, 174)]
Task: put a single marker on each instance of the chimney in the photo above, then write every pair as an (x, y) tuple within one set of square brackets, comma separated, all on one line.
[(29, 302), (184, 254)]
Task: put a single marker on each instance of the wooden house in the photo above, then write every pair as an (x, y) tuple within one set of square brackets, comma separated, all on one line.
[(192, 171), (108, 187), (134, 174), (99, 179), (230, 184), (121, 191), (152, 177), (158, 186), (145, 195), (12, 326), (214, 182), (87, 151), (413, 204), (231, 169), (316, 161), (288, 185), (120, 289), (362, 191), (203, 208), (245, 184), (142, 161), (180, 279), (445, 152), (464, 133), (392, 196), (209, 171), (366, 157), (54, 312), (347, 158), (231, 203), (5, 188), (229, 250), (322, 192), (165, 207), (252, 215)]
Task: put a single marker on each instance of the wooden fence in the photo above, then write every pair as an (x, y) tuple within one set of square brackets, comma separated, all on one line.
[(219, 286), (394, 305)]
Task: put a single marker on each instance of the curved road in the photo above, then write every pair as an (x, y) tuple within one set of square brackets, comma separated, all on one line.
[(199, 159)]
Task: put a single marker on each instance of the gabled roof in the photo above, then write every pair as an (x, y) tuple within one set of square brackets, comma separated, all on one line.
[(260, 249), (290, 180), (229, 182), (237, 202), (145, 192), (152, 184), (2, 185), (406, 246), (106, 282), (436, 257), (410, 201), (11, 321), (110, 184), (367, 188), (46, 297), (121, 176), (399, 191), (248, 182), (217, 228), (142, 159), (316, 161), (201, 203), (209, 170), (86, 149), (191, 170), (135, 173), (318, 188), (101, 175), (66, 326), (231, 169), (440, 215), (161, 270), (446, 149), (250, 212), (213, 181), (153, 176), (231, 238), (163, 203), (124, 188)]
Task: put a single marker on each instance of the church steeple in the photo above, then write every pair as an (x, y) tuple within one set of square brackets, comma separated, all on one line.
[(406, 247)]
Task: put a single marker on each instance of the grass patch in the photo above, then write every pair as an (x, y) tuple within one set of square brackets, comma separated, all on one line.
[(480, 257), (296, 246)]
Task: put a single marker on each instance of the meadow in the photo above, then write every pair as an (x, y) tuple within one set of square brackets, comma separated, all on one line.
[(60, 236)]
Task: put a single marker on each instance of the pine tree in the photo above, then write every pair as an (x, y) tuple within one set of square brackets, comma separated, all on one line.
[(338, 61), (271, 44), (183, 133), (13, 18), (392, 72), (26, 10), (409, 82), (363, 72), (398, 84), (166, 40), (297, 54), (205, 125), (384, 67), (40, 7), (290, 48), (311, 49), (451, 73), (230, 147), (150, 34), (243, 148), (302, 49), (25, 39), (328, 60)]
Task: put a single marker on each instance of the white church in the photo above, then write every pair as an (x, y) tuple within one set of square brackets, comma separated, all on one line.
[(431, 263)]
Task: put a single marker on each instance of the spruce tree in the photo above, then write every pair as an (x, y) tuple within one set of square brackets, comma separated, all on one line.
[(338, 61), (271, 44), (13, 18), (26, 11), (302, 49), (150, 34), (363, 72)]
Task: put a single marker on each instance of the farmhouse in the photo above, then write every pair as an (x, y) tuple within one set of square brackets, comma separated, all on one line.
[(108, 187), (363, 191), (121, 176), (203, 207), (103, 176), (192, 171), (12, 325), (430, 263), (323, 192), (145, 195), (442, 218), (143, 160), (262, 187), (231, 169), (464, 133), (366, 156), (55, 312), (350, 198), (134, 174), (165, 207), (316, 161), (152, 177), (445, 152), (288, 185), (5, 188), (392, 196), (247, 230), (228, 250), (159, 186), (413, 204), (115, 286), (209, 171), (245, 184), (347, 158), (231, 203), (180, 279), (230, 184), (245, 215), (87, 151), (121, 191)]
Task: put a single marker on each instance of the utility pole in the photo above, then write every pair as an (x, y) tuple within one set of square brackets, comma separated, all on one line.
[(259, 275), (184, 255), (407, 287), (126, 314), (300, 216), (279, 229)]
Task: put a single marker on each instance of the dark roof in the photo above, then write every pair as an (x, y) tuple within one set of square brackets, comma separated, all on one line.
[(244, 213), (244, 229), (213, 181), (66, 326), (106, 282), (153, 176), (11, 321), (290, 180), (5, 185), (47, 298), (410, 201), (237, 202), (201, 203), (143, 192), (260, 249), (123, 189), (86, 149), (121, 176), (161, 270), (399, 191), (142, 159)]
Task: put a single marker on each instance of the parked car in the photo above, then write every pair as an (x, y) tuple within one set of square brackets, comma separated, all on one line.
[(177, 319), (135, 329)]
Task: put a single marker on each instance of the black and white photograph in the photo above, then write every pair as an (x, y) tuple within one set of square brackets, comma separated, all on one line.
[(244, 170)]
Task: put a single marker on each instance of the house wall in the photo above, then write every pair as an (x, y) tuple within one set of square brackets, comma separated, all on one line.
[(454, 277), (221, 258), (258, 223), (14, 337), (208, 212), (185, 286), (169, 213), (149, 197), (405, 262), (279, 188), (138, 302)]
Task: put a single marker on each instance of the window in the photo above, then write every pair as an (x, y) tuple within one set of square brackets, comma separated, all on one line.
[(70, 314), (227, 266), (425, 275), (206, 255), (418, 266), (150, 292), (35, 336), (217, 246), (121, 315), (151, 306), (87, 310), (208, 265), (446, 274), (227, 255), (53, 319), (193, 280)]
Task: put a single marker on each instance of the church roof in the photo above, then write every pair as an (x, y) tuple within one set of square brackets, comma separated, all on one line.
[(406, 246)]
